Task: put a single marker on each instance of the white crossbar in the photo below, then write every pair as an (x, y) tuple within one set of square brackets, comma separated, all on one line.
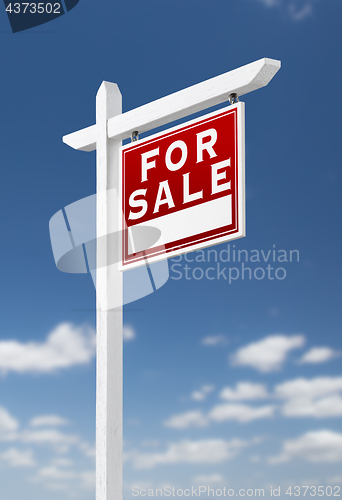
[(240, 81)]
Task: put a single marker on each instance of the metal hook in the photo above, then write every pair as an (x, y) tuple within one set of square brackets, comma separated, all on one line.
[(135, 136), (233, 98)]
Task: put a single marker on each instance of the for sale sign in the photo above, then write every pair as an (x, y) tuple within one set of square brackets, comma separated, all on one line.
[(188, 183)]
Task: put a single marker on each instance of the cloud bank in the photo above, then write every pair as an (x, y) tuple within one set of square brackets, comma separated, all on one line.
[(66, 346), (269, 354)]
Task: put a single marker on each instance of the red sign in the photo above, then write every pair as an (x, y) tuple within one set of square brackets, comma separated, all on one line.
[(188, 183)]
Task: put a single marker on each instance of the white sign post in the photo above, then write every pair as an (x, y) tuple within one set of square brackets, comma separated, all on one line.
[(109, 283), (106, 136)]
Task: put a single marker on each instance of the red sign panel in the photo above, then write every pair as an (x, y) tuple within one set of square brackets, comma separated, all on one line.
[(186, 185)]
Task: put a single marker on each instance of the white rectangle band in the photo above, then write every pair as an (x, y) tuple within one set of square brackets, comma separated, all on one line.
[(194, 220)]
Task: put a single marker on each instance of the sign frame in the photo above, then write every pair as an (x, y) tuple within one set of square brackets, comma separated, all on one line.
[(155, 255)]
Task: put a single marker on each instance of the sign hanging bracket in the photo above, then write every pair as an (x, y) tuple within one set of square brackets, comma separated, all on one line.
[(234, 98), (135, 136)]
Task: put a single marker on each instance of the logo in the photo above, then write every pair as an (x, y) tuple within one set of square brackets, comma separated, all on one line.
[(76, 249), (25, 15)]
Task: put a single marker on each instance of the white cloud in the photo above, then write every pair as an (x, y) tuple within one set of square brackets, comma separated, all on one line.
[(301, 13), (207, 451), (54, 472), (318, 397), (150, 443), (52, 437), (212, 478), (322, 446), (128, 333), (60, 442), (240, 413), (315, 398), (140, 484), (297, 12), (189, 419), (308, 388), (55, 478), (58, 473), (208, 388), (7, 422), (198, 396), (201, 394), (18, 458), (88, 480), (244, 391), (66, 346), (334, 480), (59, 487), (47, 421), (270, 3), (268, 354), (320, 408), (87, 449), (62, 462), (318, 355), (214, 340)]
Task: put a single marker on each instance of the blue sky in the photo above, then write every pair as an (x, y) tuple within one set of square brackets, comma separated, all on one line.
[(202, 405)]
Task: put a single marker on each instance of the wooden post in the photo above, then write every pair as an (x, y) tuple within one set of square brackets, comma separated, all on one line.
[(109, 286)]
